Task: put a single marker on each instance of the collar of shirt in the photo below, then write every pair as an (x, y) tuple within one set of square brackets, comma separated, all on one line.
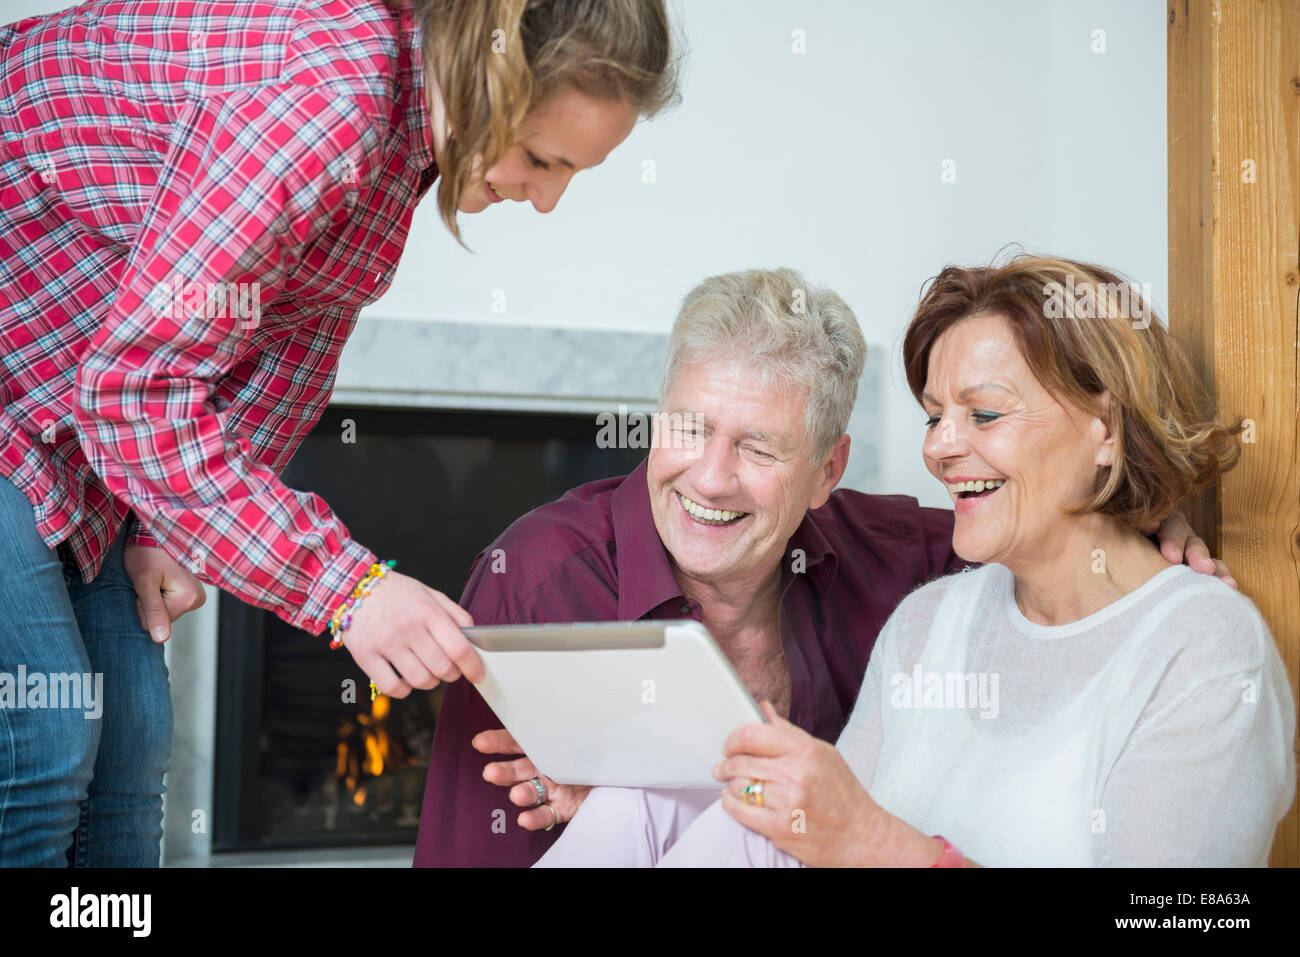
[(638, 546), (810, 550)]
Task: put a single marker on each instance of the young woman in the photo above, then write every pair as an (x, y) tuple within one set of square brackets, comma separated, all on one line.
[(196, 200)]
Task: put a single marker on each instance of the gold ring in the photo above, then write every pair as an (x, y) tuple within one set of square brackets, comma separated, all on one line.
[(753, 793), (555, 818)]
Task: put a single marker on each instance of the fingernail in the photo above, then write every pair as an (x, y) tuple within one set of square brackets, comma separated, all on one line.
[(159, 634)]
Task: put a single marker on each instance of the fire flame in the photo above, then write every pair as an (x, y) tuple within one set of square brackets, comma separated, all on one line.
[(376, 753)]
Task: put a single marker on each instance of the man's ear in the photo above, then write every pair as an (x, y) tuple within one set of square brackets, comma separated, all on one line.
[(832, 470), (1102, 433)]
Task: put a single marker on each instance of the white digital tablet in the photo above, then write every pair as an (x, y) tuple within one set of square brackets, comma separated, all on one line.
[(627, 704)]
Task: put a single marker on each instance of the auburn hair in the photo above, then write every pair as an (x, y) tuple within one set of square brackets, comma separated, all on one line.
[(1083, 330)]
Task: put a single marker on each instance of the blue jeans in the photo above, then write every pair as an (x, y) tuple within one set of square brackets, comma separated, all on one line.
[(81, 777)]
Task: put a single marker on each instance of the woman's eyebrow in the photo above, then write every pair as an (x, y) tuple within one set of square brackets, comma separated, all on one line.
[(541, 147), (982, 386), (927, 397)]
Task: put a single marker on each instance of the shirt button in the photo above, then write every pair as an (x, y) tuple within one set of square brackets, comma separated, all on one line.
[(686, 608)]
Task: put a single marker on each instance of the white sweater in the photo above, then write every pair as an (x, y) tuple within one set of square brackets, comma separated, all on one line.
[(1155, 732)]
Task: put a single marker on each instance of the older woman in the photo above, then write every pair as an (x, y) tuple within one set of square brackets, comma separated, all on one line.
[(1077, 700)]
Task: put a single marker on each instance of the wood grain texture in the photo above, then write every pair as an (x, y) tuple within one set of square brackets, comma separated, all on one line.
[(1234, 232), (1191, 212)]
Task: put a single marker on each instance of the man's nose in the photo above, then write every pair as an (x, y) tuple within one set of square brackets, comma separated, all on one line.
[(714, 472)]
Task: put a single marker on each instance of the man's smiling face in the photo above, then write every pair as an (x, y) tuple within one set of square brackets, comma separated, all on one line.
[(731, 478)]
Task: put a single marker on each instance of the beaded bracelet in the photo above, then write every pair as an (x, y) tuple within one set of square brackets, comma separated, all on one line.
[(343, 617)]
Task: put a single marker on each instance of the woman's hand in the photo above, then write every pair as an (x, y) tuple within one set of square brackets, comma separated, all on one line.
[(515, 775), (406, 635), (164, 589), (813, 806)]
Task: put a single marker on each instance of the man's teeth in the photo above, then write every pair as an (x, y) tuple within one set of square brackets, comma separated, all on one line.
[(717, 516), (977, 486)]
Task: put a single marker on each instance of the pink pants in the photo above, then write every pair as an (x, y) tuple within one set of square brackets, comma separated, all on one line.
[(631, 827)]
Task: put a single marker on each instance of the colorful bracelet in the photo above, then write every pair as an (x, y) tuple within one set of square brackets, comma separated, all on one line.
[(343, 617), (951, 857)]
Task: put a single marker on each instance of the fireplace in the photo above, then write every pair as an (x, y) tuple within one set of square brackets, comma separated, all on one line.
[(508, 414), (304, 756)]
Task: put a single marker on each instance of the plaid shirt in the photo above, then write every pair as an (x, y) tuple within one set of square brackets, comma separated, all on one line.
[(196, 199)]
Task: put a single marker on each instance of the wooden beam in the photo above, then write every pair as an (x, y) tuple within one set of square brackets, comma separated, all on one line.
[(1234, 280)]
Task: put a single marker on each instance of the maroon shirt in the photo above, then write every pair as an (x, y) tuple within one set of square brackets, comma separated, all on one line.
[(595, 555)]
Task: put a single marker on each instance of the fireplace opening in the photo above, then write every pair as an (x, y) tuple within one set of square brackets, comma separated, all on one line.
[(305, 756)]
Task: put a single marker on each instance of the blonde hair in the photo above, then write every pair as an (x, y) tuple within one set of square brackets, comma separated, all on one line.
[(1084, 330), (771, 320), (492, 61)]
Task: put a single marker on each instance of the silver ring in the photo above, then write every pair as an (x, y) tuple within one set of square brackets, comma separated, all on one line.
[(541, 791)]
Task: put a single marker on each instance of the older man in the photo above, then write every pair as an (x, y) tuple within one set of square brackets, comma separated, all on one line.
[(733, 520)]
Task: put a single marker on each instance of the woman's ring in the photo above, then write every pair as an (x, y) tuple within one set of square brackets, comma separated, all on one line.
[(541, 791), (555, 818), (753, 793)]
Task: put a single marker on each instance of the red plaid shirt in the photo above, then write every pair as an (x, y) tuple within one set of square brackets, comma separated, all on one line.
[(196, 199)]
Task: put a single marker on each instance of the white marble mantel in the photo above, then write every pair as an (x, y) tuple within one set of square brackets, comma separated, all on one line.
[(436, 364), (476, 366)]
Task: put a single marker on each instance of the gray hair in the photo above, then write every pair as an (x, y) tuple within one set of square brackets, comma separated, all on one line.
[(773, 321)]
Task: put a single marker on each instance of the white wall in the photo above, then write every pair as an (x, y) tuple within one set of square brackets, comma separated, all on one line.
[(829, 161)]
